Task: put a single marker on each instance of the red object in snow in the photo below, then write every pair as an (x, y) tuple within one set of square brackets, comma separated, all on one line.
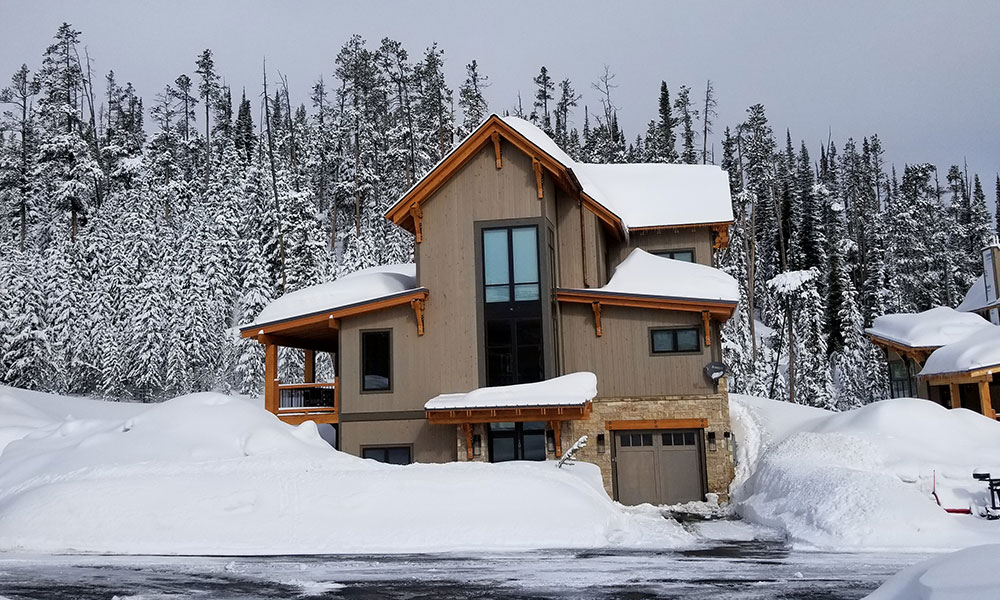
[(953, 511)]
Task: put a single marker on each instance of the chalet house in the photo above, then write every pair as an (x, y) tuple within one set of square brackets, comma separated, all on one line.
[(945, 355), (549, 300)]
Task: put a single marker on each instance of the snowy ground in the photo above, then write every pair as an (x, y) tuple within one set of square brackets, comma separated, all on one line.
[(862, 480), (211, 474)]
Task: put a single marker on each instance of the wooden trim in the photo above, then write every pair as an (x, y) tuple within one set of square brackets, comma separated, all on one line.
[(295, 386), (962, 377), (271, 381), (537, 168), (719, 310), (495, 136), (331, 317), (304, 410), (721, 236), (656, 424), (318, 345), (712, 224), (318, 418), (604, 214), (956, 398), (417, 213), (508, 414), (706, 321), (467, 430), (556, 428), (985, 404), (918, 353), (309, 367), (597, 318), (417, 304)]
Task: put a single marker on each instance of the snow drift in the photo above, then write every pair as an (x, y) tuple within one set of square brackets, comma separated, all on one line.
[(862, 479), (969, 574), (214, 474)]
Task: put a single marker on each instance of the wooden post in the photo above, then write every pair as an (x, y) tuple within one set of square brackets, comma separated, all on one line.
[(597, 318), (309, 376), (557, 434), (271, 382), (985, 404), (956, 398), (467, 430), (706, 320)]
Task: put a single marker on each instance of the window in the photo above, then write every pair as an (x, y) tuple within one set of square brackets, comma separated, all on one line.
[(684, 255), (630, 440), (899, 379), (510, 264), (376, 361), (517, 441), (393, 455), (679, 439), (666, 341)]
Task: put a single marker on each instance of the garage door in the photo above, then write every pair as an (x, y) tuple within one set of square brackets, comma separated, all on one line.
[(659, 467)]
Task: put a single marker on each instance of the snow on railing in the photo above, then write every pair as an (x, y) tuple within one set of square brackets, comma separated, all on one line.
[(569, 457)]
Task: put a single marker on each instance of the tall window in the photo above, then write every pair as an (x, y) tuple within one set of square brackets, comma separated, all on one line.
[(899, 379), (512, 305), (376, 361)]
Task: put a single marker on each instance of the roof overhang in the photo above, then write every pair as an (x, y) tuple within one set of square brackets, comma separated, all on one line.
[(719, 228), (970, 376), (918, 353), (331, 318), (401, 213), (719, 309), (509, 414)]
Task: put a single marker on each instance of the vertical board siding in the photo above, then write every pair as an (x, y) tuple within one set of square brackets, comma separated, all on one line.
[(699, 239)]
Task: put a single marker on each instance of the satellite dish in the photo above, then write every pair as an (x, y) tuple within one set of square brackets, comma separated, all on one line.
[(715, 370)]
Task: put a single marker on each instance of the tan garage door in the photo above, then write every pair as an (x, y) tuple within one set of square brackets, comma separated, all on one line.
[(659, 467)]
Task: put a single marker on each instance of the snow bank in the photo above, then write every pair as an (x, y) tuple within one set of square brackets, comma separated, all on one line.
[(969, 574), (568, 390), (862, 479), (642, 273), (362, 286), (213, 474), (932, 328), (977, 350)]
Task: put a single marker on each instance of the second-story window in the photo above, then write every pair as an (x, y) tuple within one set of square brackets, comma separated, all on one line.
[(376, 361), (669, 341), (510, 263), (684, 255)]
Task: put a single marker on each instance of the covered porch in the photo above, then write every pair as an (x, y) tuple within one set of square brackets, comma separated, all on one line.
[(961, 374)]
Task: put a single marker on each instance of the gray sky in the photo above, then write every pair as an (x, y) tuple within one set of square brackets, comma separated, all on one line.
[(923, 75)]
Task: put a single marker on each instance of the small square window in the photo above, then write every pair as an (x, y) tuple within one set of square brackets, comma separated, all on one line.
[(647, 439), (625, 441), (689, 439), (668, 439)]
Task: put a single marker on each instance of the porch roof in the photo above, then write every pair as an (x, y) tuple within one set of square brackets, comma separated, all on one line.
[(575, 389), (926, 330), (976, 355)]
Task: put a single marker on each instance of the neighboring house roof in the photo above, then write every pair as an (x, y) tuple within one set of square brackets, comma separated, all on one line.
[(626, 196), (975, 299), (977, 351), (644, 277), (930, 329), (348, 292), (575, 389)]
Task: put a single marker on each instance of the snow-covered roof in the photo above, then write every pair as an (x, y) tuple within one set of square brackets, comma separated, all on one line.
[(575, 389), (932, 328), (975, 351), (975, 298), (645, 195), (359, 287), (645, 274)]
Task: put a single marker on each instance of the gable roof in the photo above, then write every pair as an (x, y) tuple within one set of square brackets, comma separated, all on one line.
[(624, 196)]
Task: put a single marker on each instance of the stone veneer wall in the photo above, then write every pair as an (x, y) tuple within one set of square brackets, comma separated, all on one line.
[(714, 408)]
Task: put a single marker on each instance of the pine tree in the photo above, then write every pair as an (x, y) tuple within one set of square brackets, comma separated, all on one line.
[(688, 114), (471, 99), (543, 94)]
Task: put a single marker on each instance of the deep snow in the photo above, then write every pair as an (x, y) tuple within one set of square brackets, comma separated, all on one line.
[(862, 480), (217, 475), (968, 574)]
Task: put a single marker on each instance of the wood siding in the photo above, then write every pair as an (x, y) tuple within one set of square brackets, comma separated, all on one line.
[(699, 240), (621, 357), (429, 443)]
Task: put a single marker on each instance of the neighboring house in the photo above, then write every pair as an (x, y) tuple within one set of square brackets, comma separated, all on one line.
[(948, 356), (533, 272)]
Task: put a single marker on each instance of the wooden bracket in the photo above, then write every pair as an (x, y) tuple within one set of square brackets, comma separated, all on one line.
[(557, 434), (467, 430), (417, 213), (597, 318), (706, 319), (721, 237), (418, 309), (496, 147), (537, 166)]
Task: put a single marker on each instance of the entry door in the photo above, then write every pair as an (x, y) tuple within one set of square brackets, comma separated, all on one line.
[(512, 306), (658, 467), (517, 441)]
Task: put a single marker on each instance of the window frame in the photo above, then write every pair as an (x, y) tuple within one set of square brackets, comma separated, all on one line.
[(361, 361), (661, 251), (698, 335), (386, 448)]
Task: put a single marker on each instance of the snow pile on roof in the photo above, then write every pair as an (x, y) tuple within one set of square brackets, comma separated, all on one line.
[(362, 286), (218, 475), (645, 195), (929, 329), (967, 574), (574, 389), (862, 479), (642, 273), (975, 351), (975, 298)]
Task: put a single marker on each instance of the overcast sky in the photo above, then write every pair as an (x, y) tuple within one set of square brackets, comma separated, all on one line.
[(923, 75)]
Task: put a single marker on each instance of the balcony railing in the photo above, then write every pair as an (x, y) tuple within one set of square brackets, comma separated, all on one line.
[(308, 398)]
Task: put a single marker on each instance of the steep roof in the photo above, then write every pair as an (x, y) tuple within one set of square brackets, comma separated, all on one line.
[(975, 298), (932, 328), (626, 196)]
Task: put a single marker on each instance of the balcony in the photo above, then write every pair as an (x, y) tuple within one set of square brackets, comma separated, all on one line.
[(319, 402)]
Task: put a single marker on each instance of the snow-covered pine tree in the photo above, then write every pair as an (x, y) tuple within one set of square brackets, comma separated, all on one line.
[(471, 99)]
